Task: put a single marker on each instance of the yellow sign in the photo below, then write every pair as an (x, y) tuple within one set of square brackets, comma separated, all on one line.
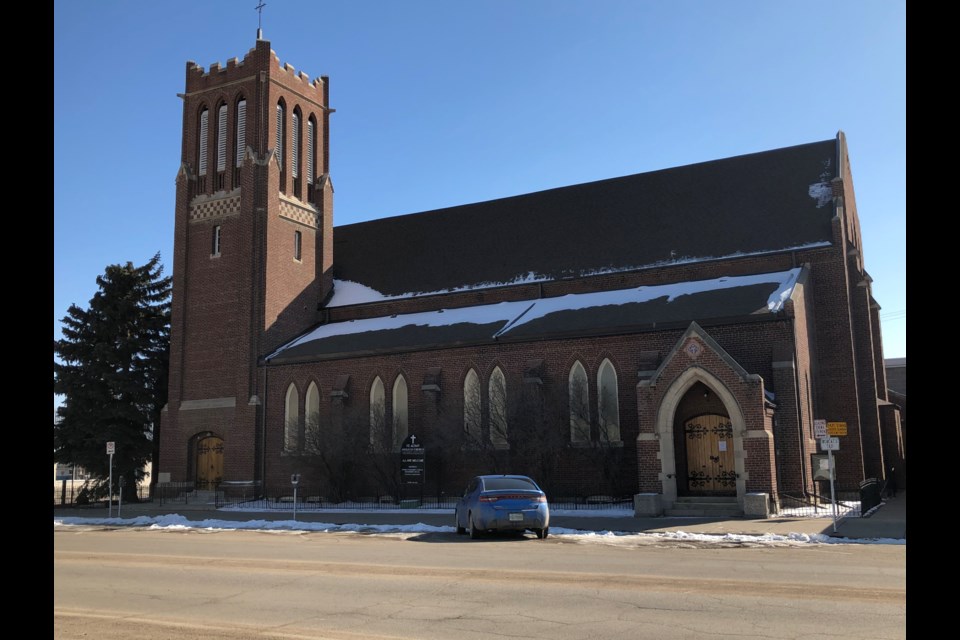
[(837, 428)]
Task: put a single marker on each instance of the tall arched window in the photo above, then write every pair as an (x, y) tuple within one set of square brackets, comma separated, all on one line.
[(311, 416), (241, 137), (281, 133), (377, 415), (296, 151), (579, 395), (497, 400), (609, 403), (291, 419), (400, 417), (221, 144), (311, 149), (471, 408), (204, 135)]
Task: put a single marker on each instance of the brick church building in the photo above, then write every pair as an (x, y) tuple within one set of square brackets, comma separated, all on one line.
[(673, 333)]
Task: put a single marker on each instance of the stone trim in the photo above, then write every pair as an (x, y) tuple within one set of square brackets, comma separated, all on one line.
[(298, 212), (217, 206), (208, 403)]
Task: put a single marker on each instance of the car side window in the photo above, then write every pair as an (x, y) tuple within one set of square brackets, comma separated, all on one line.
[(470, 488)]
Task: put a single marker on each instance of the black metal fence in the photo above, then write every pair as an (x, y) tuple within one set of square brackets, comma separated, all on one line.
[(246, 496), (82, 494), (846, 504)]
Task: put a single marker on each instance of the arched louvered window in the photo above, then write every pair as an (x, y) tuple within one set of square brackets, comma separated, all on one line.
[(295, 157), (378, 411), (222, 138), (296, 151), (579, 398), (311, 415), (311, 149), (400, 408), (471, 409), (291, 419), (204, 135), (241, 140), (221, 145), (279, 146), (609, 403), (497, 390)]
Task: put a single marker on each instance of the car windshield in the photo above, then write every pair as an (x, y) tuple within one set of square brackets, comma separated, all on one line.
[(497, 484)]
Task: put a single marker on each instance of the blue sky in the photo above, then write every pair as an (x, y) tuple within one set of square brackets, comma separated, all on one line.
[(442, 103)]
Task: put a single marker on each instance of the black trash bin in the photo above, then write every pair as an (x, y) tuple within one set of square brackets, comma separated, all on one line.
[(869, 495)]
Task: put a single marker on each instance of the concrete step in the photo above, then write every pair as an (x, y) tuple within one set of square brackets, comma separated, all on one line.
[(706, 506), (704, 513)]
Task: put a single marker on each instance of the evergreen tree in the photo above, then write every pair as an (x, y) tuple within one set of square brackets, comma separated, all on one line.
[(111, 367)]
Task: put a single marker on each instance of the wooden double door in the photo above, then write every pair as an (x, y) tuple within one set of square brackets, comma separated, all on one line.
[(209, 462), (710, 462)]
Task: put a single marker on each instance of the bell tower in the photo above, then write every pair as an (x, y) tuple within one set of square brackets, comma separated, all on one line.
[(252, 254)]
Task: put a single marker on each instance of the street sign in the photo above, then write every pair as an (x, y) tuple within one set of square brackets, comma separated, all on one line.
[(111, 448), (830, 444), (837, 428), (819, 428)]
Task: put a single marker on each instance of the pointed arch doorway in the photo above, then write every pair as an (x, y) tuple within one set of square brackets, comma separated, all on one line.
[(704, 443), (208, 461), (709, 450)]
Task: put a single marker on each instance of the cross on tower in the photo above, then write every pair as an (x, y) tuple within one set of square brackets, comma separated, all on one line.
[(259, 9)]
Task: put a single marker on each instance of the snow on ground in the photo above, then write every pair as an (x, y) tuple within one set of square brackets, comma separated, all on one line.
[(176, 522)]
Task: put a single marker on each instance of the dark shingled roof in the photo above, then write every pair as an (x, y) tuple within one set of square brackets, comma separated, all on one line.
[(599, 313), (754, 203)]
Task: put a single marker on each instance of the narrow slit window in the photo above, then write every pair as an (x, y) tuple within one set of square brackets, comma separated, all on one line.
[(215, 241), (297, 245)]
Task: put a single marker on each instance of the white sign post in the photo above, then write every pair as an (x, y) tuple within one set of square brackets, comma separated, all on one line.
[(295, 480), (830, 445), (111, 448)]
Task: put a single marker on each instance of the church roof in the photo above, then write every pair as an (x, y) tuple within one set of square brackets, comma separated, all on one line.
[(597, 313), (772, 201)]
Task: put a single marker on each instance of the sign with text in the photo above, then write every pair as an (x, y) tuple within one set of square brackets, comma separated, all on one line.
[(830, 444), (819, 428), (111, 448), (412, 456), (837, 428)]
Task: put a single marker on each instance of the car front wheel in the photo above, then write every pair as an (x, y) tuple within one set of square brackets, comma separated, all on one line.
[(460, 530), (543, 533), (471, 528)]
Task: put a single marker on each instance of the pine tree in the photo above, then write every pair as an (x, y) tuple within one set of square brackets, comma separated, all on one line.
[(111, 367)]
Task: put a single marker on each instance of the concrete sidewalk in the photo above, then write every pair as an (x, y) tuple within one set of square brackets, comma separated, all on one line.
[(889, 520)]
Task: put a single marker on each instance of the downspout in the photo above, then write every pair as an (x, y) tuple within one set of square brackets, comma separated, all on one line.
[(260, 187), (263, 431)]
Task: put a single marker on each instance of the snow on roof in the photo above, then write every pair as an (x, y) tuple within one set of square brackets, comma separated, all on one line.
[(507, 316), (346, 292)]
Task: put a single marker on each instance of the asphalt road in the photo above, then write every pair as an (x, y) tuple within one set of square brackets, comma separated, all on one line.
[(123, 583)]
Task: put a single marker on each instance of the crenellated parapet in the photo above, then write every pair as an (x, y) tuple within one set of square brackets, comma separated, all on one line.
[(260, 58)]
